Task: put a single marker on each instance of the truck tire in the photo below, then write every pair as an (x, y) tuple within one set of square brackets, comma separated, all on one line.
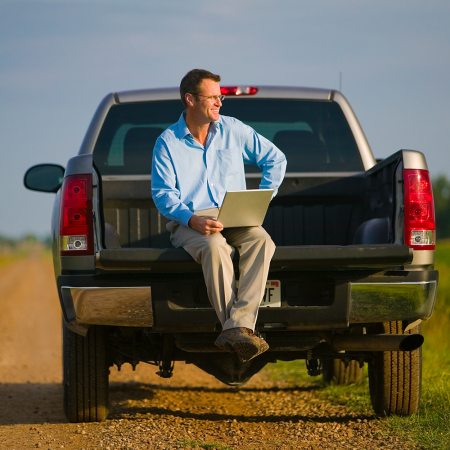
[(85, 375), (334, 370), (395, 378)]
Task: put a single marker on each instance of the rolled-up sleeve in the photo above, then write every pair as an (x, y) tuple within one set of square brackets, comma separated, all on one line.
[(165, 193), (269, 158)]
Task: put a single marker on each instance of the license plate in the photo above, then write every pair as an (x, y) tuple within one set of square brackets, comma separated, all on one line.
[(272, 294)]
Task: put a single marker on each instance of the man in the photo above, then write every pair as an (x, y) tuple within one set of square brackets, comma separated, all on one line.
[(195, 161)]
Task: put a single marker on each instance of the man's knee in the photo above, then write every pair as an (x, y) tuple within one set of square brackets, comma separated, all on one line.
[(213, 245), (213, 242), (263, 236), (270, 245)]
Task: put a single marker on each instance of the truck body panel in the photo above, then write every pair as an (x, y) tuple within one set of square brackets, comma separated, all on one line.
[(350, 221)]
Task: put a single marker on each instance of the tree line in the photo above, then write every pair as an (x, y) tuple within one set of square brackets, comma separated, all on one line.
[(13, 245)]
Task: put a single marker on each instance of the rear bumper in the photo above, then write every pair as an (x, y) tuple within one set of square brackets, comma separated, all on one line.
[(310, 301), (120, 306), (385, 302)]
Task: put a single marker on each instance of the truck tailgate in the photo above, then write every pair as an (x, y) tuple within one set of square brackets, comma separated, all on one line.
[(285, 258)]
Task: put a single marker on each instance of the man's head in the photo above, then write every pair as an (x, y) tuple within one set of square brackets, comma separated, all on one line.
[(200, 94)]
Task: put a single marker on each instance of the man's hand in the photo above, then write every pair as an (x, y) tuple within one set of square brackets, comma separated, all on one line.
[(205, 225)]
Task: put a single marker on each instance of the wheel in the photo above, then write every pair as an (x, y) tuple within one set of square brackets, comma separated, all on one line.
[(395, 378), (334, 370), (85, 375)]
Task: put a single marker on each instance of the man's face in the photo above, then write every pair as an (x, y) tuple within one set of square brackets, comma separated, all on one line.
[(207, 108)]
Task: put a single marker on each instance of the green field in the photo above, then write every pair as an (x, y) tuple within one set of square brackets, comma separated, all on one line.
[(430, 428)]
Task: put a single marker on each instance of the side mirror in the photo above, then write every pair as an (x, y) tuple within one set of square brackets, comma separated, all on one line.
[(44, 178)]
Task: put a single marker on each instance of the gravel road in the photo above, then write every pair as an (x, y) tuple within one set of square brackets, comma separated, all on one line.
[(190, 410)]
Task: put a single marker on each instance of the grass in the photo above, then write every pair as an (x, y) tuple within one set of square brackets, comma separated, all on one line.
[(7, 259), (24, 252), (206, 445), (46, 254), (430, 428)]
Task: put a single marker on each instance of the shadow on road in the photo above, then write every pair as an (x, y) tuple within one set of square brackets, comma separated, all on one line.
[(134, 411), (40, 403), (118, 386), (33, 403), (131, 401)]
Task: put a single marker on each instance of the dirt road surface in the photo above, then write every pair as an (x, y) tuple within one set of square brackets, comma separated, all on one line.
[(190, 410)]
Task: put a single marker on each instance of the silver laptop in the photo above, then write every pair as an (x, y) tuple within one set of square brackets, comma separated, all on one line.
[(241, 208)]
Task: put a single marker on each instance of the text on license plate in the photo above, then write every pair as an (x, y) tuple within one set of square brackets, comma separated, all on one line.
[(272, 294)]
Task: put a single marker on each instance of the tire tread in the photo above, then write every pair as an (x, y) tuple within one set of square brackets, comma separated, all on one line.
[(395, 377), (334, 370), (86, 375)]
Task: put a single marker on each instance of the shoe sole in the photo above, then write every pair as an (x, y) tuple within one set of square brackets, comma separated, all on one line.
[(244, 349), (247, 351), (225, 345)]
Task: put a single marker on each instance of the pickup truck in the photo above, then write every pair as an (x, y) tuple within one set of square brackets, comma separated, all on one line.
[(351, 280)]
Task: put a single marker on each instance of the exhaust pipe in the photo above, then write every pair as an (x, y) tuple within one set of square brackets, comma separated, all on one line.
[(378, 342)]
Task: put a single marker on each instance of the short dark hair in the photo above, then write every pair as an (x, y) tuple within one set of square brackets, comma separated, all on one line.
[(192, 80)]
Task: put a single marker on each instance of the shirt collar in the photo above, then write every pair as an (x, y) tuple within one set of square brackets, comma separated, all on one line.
[(183, 130)]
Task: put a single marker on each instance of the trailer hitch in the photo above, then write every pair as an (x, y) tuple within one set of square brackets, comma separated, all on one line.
[(166, 363), (313, 366)]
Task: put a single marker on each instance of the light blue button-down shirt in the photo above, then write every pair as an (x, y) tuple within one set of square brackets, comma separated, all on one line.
[(188, 177)]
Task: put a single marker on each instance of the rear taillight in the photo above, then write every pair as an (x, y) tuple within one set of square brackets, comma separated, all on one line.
[(420, 225), (238, 90), (76, 227)]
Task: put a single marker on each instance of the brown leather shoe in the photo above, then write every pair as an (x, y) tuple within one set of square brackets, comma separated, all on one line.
[(242, 341)]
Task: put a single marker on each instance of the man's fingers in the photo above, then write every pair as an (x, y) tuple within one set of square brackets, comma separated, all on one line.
[(205, 225), (214, 225)]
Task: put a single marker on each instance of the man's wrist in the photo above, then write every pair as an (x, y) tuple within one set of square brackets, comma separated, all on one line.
[(192, 219), (185, 217)]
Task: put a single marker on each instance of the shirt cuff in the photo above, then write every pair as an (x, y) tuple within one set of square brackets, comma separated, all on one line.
[(185, 216)]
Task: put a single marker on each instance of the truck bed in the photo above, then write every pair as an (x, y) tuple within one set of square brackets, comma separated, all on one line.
[(318, 209)]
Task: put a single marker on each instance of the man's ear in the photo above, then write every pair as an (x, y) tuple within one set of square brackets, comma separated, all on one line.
[(189, 99)]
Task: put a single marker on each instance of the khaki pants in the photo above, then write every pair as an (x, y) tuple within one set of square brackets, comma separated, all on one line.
[(234, 308)]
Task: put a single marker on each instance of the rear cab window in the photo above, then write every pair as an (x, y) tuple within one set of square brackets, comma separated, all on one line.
[(314, 135)]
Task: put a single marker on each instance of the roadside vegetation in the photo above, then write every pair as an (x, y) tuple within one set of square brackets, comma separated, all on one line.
[(430, 428), (12, 249)]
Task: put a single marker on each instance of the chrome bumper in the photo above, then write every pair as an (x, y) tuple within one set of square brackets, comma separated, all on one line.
[(132, 306), (386, 302), (118, 306)]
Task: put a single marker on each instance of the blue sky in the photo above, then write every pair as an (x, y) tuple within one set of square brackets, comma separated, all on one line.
[(59, 58)]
